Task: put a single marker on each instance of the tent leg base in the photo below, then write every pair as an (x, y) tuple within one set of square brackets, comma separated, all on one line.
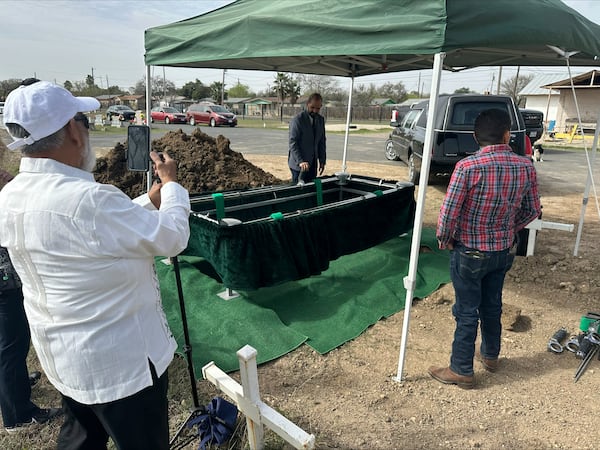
[(228, 294)]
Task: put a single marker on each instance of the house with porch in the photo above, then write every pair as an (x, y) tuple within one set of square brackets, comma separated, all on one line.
[(587, 91)]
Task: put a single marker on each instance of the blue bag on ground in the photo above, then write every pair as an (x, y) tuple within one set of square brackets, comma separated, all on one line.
[(216, 422)]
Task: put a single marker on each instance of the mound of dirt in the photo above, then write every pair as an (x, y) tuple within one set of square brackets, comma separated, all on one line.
[(205, 164)]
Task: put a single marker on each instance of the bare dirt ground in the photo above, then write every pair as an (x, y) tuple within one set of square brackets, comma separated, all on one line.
[(349, 399)]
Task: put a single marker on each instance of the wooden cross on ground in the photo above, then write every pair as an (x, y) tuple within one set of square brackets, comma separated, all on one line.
[(247, 398)]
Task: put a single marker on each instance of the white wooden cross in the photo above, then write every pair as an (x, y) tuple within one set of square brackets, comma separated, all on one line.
[(538, 224), (247, 398)]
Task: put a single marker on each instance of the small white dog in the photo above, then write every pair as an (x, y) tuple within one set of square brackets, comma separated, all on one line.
[(537, 153)]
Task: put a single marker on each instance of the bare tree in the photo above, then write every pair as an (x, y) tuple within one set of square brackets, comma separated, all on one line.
[(6, 86), (514, 85), (395, 91), (327, 86)]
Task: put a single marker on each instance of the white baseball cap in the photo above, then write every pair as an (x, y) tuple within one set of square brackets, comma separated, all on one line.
[(42, 108)]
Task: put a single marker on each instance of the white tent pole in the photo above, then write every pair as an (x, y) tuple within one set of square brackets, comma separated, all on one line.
[(410, 280), (589, 182), (347, 125), (148, 108), (590, 178)]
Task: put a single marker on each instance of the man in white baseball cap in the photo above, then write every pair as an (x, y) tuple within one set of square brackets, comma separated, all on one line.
[(85, 253), (41, 109)]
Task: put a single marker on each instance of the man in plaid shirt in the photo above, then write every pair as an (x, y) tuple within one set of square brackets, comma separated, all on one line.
[(491, 196)]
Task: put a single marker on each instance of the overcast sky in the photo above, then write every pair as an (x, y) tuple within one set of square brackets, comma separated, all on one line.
[(64, 40)]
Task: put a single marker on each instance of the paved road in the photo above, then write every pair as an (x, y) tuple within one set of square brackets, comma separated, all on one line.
[(566, 169), (268, 141)]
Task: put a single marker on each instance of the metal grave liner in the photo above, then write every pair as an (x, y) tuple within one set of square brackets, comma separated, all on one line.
[(264, 236)]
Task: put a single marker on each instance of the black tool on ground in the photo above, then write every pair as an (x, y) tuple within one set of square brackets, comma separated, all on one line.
[(574, 342), (590, 343), (584, 347), (593, 332), (187, 349), (555, 342), (588, 350)]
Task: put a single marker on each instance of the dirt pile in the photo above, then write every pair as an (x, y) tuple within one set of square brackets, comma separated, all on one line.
[(205, 164)]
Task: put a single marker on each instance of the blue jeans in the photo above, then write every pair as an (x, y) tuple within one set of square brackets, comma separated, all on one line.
[(15, 388), (478, 278)]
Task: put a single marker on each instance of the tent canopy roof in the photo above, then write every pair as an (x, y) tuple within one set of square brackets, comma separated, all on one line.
[(367, 37)]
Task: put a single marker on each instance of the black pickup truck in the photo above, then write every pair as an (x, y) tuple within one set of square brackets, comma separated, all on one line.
[(534, 123), (453, 132)]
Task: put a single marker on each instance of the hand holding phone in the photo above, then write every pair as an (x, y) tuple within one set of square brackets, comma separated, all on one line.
[(164, 166)]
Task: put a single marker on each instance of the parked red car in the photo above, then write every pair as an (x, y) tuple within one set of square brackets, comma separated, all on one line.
[(214, 115), (167, 115)]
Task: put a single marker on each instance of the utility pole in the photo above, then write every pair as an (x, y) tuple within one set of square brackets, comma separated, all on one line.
[(499, 80), (223, 88), (164, 85), (419, 85)]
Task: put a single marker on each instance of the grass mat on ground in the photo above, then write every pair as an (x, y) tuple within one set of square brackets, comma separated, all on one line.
[(325, 311)]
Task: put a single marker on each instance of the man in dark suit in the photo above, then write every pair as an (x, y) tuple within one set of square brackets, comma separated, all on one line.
[(307, 151)]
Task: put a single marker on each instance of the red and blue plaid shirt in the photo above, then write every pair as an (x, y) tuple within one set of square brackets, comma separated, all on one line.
[(491, 196)]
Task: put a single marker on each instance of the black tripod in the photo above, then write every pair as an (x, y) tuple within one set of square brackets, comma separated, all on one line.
[(187, 349)]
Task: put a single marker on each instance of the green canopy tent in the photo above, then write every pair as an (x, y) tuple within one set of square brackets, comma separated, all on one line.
[(366, 37)]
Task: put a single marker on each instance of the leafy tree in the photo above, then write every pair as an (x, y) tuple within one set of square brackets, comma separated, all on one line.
[(6, 86), (286, 86), (68, 85), (114, 90), (163, 86), (281, 83), (194, 90), (293, 90), (89, 81), (216, 89), (395, 91), (363, 95), (239, 91), (513, 85), (86, 88), (160, 87)]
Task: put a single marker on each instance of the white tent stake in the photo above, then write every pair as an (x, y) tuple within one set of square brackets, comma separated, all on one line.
[(247, 398), (410, 279)]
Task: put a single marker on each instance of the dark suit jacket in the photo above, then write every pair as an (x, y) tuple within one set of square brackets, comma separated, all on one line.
[(306, 145)]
